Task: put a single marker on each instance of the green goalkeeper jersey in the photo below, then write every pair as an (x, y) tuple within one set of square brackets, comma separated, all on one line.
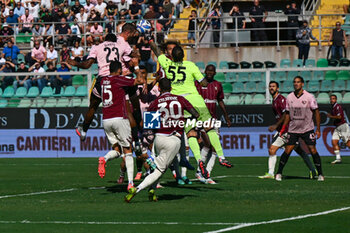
[(181, 74)]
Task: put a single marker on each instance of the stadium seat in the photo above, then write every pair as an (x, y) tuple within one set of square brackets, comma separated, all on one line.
[(20, 58), (245, 65), (256, 76), (231, 77), (85, 103), (343, 75), (46, 92), (57, 95), (24, 103), (259, 99), (287, 87), (233, 65), (243, 76), (213, 63), (297, 63), (339, 96), (258, 65), (270, 64), (307, 75), (237, 87), (318, 75), (310, 63), (339, 85), (62, 103), (326, 85), (333, 62), (323, 98), (223, 65), (346, 98), (21, 92), (261, 87), (200, 65), (233, 100), (13, 103), (344, 62), (279, 76), (81, 91), (330, 75), (50, 103), (220, 77), (78, 80), (227, 88), (322, 62), (22, 38), (291, 75), (8, 92), (250, 87), (285, 63), (248, 99), (38, 103), (314, 86), (3, 103), (0, 92), (69, 91), (94, 68), (33, 92), (76, 102)]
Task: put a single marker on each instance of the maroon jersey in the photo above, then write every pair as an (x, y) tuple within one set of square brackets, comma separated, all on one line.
[(113, 96), (171, 107), (211, 94), (337, 110), (279, 107)]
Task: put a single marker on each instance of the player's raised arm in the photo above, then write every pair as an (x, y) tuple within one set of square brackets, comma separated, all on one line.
[(156, 50), (83, 65)]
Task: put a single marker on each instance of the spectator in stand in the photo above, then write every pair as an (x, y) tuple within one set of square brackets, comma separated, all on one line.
[(11, 52), (66, 10), (51, 55), (5, 11), (145, 51), (339, 41), (258, 16), (77, 52), (123, 8), (293, 21), (37, 80), (59, 3), (110, 26), (111, 10), (156, 4), (169, 8), (9, 67), (94, 16), (346, 8), (236, 14), (46, 5), (38, 34), (177, 4), (100, 8), (303, 36), (57, 14), (63, 31), (82, 18), (191, 36), (21, 81), (38, 54), (134, 10), (51, 78), (65, 53), (88, 7), (12, 20), (6, 34), (164, 18), (76, 34), (75, 9), (151, 14), (216, 24), (19, 9), (143, 5), (95, 31), (62, 80), (26, 21), (34, 9)]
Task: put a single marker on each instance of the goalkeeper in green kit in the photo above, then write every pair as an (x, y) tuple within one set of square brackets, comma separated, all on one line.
[(183, 75)]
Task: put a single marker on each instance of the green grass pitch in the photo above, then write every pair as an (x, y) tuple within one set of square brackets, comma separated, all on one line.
[(87, 203)]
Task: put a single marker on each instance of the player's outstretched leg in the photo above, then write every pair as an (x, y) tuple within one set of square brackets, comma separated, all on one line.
[(193, 143), (129, 162), (305, 157), (112, 154), (215, 142)]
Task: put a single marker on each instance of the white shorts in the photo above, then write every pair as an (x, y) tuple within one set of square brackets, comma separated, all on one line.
[(118, 130), (342, 132), (166, 147), (278, 140)]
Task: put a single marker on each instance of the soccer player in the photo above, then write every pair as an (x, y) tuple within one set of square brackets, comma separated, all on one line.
[(212, 93), (279, 108), (341, 130), (167, 139), (300, 108), (182, 75), (115, 116)]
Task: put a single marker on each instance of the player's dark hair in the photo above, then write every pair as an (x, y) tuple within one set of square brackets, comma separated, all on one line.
[(169, 42), (111, 37), (178, 54), (142, 68), (336, 97), (210, 66), (114, 66), (128, 27), (164, 84), (277, 84), (301, 79)]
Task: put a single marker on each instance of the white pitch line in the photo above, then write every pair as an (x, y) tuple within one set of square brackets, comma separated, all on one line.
[(243, 225), (115, 223), (38, 193)]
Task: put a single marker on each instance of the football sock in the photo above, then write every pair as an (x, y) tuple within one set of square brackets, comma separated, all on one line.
[(211, 162), (192, 141), (182, 150), (150, 179), (272, 164), (337, 154), (215, 142), (283, 160), (204, 153), (122, 173), (129, 163), (184, 169), (134, 134), (139, 163), (85, 126), (317, 161), (112, 154), (305, 157), (176, 168)]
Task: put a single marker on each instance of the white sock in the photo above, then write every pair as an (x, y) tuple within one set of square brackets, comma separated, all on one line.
[(150, 179), (272, 164), (184, 169), (129, 163), (204, 153), (122, 173), (337, 154), (112, 154), (211, 162)]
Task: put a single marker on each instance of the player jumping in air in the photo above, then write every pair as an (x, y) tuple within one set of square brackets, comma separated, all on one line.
[(279, 108), (182, 75), (300, 108), (341, 130), (167, 139)]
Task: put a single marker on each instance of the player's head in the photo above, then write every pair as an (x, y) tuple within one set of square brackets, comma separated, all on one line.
[(130, 33), (210, 72), (273, 87), (333, 99), (115, 68), (168, 46), (177, 54), (165, 85), (298, 83), (111, 37), (143, 72)]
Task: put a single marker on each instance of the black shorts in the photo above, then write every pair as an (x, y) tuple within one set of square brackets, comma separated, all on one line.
[(309, 138)]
